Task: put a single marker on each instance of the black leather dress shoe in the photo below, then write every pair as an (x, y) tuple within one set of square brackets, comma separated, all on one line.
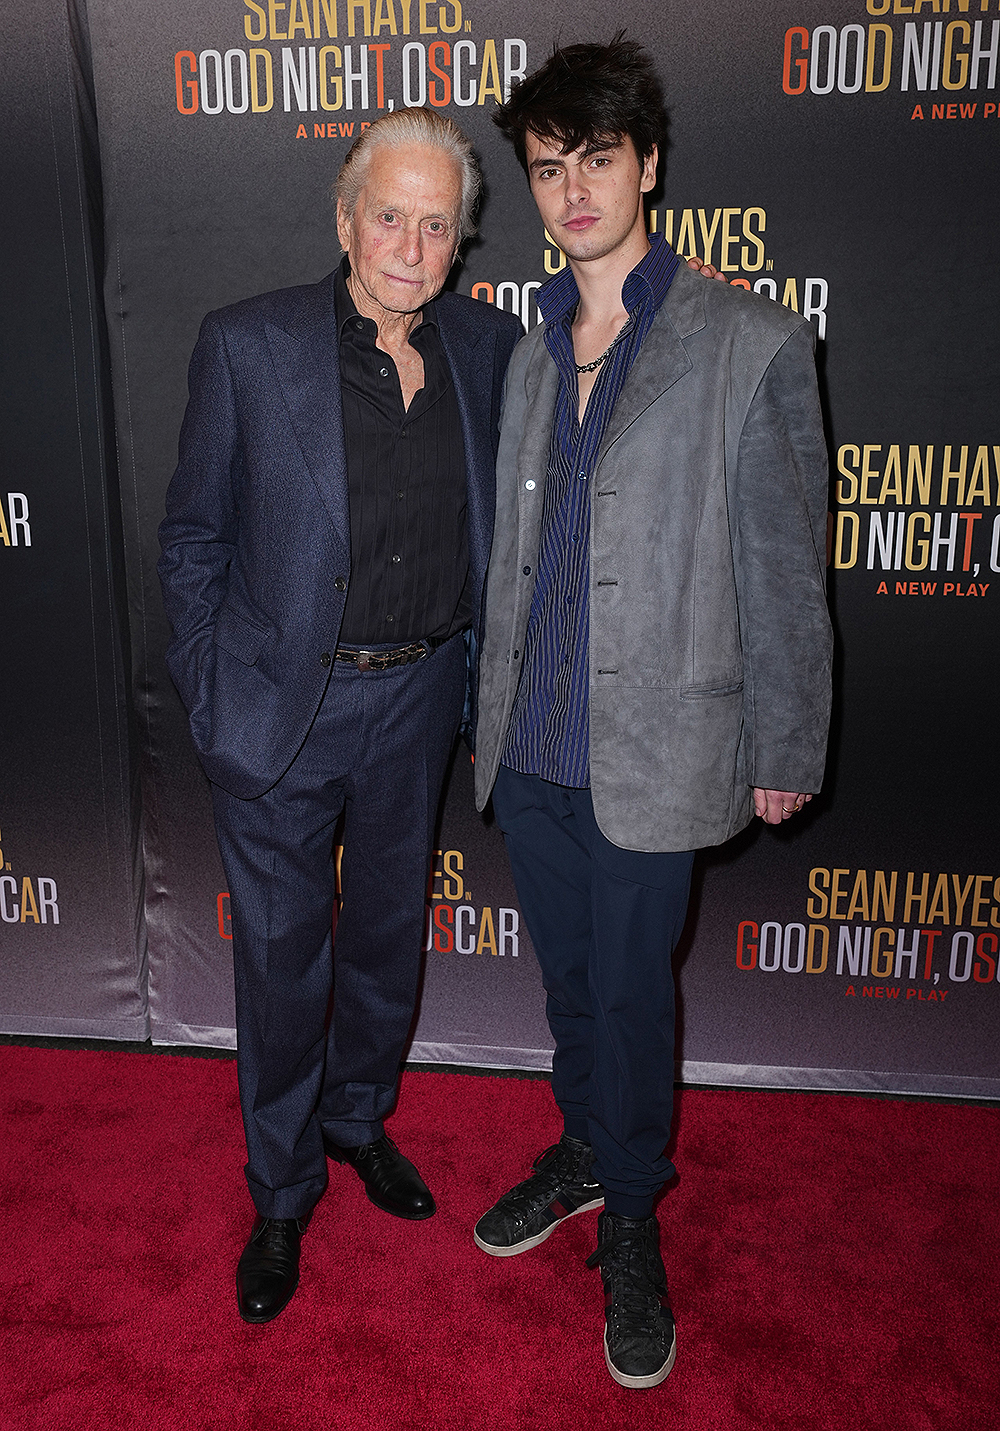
[(268, 1271), (391, 1181)]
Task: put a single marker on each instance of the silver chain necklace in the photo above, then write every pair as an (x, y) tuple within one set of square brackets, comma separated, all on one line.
[(589, 367)]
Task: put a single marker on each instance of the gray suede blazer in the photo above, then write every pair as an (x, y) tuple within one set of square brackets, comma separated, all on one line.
[(710, 641)]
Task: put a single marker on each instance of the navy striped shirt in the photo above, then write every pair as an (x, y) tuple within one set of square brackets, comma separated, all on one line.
[(549, 732)]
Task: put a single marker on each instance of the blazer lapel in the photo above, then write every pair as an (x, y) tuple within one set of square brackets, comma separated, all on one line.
[(472, 392), (663, 358), (305, 356)]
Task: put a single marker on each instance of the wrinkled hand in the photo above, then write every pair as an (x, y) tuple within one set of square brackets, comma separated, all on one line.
[(707, 270), (773, 806)]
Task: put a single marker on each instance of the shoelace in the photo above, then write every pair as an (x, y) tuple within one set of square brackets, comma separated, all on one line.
[(381, 1149), (532, 1193), (274, 1237), (641, 1283)]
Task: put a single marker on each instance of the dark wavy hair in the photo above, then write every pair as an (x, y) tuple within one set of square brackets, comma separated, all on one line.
[(586, 96)]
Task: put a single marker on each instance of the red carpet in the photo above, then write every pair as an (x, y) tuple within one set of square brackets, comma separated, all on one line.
[(833, 1264)]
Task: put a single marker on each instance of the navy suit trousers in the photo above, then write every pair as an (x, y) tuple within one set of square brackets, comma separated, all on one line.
[(377, 751), (604, 922)]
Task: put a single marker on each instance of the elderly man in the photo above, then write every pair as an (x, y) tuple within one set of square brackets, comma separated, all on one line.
[(656, 659), (324, 549)]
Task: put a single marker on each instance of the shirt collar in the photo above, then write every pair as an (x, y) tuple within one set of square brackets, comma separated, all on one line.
[(346, 309), (647, 283)]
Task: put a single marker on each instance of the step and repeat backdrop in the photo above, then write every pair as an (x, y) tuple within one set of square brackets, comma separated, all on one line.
[(839, 158)]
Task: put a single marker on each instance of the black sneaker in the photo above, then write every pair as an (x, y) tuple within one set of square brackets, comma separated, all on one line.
[(640, 1343), (559, 1187)]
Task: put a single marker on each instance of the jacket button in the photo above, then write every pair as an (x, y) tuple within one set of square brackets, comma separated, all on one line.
[(340, 584), (526, 570), (324, 660)]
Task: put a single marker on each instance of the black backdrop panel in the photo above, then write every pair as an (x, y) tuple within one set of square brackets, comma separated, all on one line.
[(70, 882), (841, 166)]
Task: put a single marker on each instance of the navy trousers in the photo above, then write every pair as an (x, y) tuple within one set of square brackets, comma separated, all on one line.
[(604, 922), (378, 751)]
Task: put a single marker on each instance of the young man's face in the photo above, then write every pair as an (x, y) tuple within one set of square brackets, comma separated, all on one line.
[(590, 202)]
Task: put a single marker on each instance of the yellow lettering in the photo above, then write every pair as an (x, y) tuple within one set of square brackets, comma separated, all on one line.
[(329, 12), (950, 56), (687, 242), (812, 967), (867, 500), (748, 233), (273, 6), (919, 473), (919, 898), (819, 883), (385, 17), (859, 896), (248, 25), (455, 6), (892, 480), (923, 547), (886, 896), (847, 494), (298, 19), (454, 885), (871, 85), (255, 57), (489, 75), (848, 528), (353, 6), (790, 297), (837, 894), (881, 965), (728, 240), (29, 909), (487, 935), (940, 908), (708, 234), (326, 80), (979, 486), (948, 476)]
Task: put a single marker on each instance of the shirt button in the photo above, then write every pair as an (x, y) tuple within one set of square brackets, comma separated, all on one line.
[(396, 558), (526, 570), (390, 618), (399, 495), (581, 475), (340, 584), (384, 372), (529, 486), (359, 325), (324, 660)]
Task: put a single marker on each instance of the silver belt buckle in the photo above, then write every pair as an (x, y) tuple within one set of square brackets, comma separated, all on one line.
[(364, 660)]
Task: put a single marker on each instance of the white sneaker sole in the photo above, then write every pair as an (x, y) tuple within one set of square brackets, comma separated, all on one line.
[(639, 1383), (530, 1242)]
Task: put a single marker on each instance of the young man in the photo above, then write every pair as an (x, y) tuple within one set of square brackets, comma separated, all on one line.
[(656, 656)]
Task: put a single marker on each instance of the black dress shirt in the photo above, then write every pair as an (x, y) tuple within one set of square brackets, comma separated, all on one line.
[(407, 488)]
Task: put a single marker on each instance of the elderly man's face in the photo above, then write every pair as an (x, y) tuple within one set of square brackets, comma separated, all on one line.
[(403, 235)]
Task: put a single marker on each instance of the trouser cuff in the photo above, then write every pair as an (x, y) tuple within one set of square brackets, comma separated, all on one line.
[(629, 1204)]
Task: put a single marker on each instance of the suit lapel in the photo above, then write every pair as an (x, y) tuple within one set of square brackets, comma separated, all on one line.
[(305, 356), (472, 374), (662, 359)]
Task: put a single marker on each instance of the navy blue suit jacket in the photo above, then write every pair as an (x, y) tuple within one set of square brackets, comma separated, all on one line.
[(256, 542)]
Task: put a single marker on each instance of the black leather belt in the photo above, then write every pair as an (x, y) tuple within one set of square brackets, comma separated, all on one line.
[(384, 660)]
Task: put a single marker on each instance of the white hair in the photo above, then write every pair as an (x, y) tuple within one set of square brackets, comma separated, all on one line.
[(395, 131)]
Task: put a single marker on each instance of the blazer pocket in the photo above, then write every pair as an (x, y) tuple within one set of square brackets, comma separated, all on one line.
[(240, 637), (722, 688)]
